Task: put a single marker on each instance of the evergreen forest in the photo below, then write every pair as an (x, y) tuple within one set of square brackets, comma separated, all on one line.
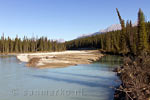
[(18, 45), (129, 40)]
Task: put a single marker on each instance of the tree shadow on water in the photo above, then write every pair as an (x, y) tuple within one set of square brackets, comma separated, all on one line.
[(86, 76), (73, 81)]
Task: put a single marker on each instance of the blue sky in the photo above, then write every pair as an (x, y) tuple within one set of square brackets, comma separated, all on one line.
[(65, 19)]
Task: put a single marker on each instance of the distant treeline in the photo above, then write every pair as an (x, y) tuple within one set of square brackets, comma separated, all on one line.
[(129, 39), (18, 45)]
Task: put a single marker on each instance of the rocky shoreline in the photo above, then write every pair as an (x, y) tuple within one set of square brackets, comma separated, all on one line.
[(59, 59)]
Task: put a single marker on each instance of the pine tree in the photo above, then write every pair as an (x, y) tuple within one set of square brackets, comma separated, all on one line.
[(16, 45), (2, 44), (123, 44), (142, 35), (108, 40)]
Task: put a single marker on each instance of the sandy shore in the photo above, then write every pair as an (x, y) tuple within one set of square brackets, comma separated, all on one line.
[(59, 59)]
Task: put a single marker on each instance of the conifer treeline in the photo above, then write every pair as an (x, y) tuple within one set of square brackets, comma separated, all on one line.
[(133, 40), (130, 39), (18, 45)]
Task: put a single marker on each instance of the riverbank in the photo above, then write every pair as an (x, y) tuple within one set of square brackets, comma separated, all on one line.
[(93, 79), (135, 77), (59, 59)]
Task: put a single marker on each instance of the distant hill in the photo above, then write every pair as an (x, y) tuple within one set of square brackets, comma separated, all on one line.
[(113, 27)]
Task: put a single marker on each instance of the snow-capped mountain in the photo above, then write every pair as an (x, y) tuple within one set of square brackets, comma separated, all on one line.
[(113, 27), (110, 28)]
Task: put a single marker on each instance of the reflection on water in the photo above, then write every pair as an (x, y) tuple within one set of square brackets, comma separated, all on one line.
[(111, 61), (82, 82)]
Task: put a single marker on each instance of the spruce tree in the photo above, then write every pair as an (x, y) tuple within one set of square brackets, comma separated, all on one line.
[(142, 35), (123, 44)]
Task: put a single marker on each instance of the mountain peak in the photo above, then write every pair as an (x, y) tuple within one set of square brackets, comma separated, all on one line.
[(113, 27)]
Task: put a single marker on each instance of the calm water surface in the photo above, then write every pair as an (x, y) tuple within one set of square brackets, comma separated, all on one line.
[(82, 82)]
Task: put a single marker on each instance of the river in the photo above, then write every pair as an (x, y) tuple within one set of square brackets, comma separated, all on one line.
[(82, 82)]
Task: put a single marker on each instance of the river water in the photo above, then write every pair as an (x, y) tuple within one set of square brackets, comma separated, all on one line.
[(81, 82)]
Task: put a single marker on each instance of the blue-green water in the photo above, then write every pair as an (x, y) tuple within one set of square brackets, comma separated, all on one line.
[(82, 82)]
